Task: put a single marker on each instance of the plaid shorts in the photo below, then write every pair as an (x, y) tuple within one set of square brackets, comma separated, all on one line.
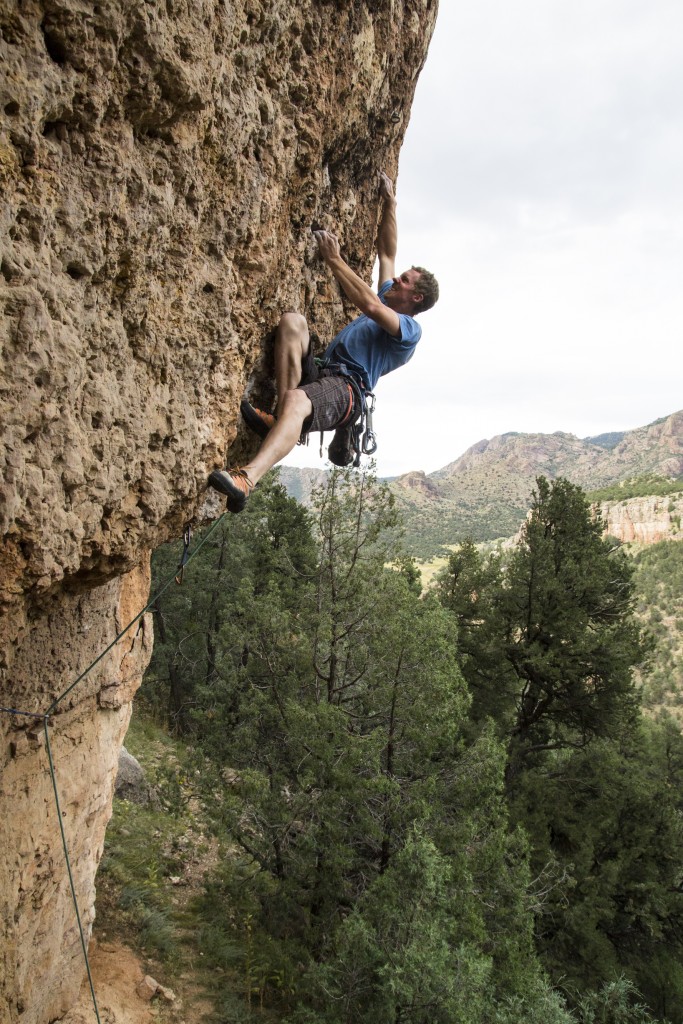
[(333, 399)]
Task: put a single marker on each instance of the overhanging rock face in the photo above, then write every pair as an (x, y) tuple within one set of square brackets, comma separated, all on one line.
[(161, 165)]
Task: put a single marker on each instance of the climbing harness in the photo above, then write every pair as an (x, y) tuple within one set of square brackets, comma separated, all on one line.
[(186, 557), (361, 435)]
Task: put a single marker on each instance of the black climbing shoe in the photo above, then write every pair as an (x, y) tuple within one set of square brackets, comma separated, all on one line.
[(235, 484), (257, 420)]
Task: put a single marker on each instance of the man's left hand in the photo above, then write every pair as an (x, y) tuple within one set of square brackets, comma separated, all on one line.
[(328, 245)]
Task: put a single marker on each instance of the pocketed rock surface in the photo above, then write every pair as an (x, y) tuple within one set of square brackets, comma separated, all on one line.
[(161, 166)]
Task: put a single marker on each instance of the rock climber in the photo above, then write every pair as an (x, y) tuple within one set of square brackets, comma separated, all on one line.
[(324, 395)]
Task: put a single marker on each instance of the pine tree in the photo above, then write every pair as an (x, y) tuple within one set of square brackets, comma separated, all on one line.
[(269, 544)]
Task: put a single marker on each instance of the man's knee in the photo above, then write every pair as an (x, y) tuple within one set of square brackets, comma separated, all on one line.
[(293, 324), (296, 405)]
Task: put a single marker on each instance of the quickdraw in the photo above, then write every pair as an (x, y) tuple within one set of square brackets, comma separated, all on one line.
[(369, 439), (187, 540), (363, 438)]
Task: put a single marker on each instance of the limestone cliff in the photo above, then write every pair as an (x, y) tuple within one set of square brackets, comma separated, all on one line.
[(639, 521), (161, 164), (643, 520)]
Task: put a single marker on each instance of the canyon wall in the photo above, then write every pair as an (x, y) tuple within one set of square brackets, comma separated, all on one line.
[(643, 520), (161, 165)]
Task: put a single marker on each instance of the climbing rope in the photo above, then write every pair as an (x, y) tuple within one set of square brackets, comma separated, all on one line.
[(68, 868), (177, 577)]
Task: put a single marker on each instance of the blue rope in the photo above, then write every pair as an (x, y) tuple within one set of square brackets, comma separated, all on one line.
[(45, 718), (26, 714)]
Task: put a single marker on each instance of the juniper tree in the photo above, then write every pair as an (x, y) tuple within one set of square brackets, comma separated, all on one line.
[(270, 544), (609, 817), (342, 716), (549, 640), (344, 730)]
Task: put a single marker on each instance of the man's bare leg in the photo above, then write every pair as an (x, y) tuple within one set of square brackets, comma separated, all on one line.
[(292, 343), (295, 408), (237, 484)]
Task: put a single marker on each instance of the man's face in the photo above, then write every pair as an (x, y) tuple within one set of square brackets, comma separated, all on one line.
[(404, 293)]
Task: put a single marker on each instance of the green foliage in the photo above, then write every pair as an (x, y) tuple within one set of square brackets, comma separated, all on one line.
[(397, 954), (410, 571), (637, 487), (418, 794), (658, 584), (610, 817), (616, 1003), (495, 509), (147, 851), (609, 440), (269, 544), (140, 853), (329, 718), (249, 966), (330, 734), (548, 640)]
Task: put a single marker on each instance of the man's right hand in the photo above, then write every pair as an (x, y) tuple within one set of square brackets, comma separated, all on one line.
[(386, 186), (387, 234)]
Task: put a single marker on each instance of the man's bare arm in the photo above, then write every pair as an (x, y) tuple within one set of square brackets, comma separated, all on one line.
[(387, 234), (354, 287)]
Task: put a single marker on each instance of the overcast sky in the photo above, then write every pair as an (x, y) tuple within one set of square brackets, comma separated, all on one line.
[(541, 179)]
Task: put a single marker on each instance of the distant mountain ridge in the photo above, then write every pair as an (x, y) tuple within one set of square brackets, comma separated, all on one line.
[(300, 482), (485, 492), (610, 440)]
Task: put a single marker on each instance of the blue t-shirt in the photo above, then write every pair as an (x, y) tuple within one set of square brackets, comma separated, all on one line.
[(368, 351)]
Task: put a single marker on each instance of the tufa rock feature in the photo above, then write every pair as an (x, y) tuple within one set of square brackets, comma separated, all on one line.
[(161, 165)]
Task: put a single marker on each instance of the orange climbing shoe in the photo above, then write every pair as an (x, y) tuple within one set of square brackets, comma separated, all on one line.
[(257, 420), (235, 484)]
